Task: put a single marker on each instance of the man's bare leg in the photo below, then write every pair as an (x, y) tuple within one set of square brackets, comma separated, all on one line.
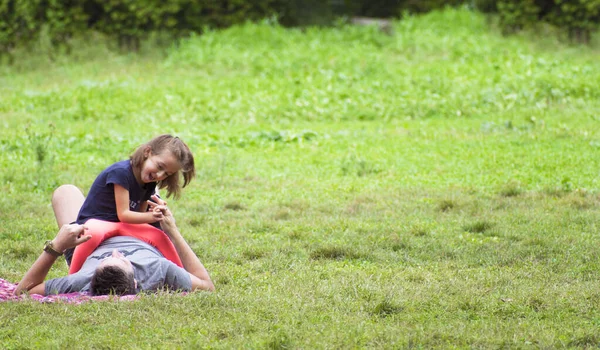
[(66, 202)]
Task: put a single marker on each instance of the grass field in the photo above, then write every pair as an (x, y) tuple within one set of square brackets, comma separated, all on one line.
[(433, 188)]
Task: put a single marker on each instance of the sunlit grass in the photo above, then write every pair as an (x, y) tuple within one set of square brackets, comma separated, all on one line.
[(433, 188)]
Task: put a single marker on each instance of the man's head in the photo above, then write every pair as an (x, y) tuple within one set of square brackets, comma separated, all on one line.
[(114, 276)]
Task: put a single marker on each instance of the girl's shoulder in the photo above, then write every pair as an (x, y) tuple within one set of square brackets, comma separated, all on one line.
[(124, 164), (122, 168)]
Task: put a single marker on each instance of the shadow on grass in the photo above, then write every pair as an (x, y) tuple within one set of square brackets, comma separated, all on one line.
[(337, 253), (387, 308), (478, 226)]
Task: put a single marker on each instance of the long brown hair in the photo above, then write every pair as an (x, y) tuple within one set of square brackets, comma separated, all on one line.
[(179, 150)]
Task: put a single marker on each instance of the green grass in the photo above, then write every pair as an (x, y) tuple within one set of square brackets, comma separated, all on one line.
[(434, 188)]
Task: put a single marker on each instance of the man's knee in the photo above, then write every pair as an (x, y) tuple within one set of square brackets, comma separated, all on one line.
[(65, 191)]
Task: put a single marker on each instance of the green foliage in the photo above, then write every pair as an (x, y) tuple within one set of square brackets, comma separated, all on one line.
[(424, 6), (22, 22), (485, 6), (17, 22), (307, 12), (26, 21), (129, 20), (375, 8), (196, 16), (518, 14), (54, 22), (578, 18), (395, 8), (132, 20)]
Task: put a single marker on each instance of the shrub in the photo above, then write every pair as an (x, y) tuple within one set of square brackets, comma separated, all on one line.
[(578, 18), (54, 21), (22, 21), (517, 14)]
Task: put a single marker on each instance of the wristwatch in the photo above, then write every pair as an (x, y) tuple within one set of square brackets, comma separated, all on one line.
[(49, 248)]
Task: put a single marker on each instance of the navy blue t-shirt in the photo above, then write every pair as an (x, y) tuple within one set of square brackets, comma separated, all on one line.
[(100, 202)]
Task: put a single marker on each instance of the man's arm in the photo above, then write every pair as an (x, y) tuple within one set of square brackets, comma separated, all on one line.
[(191, 263), (68, 236)]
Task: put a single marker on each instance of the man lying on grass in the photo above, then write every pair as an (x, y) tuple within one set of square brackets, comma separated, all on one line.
[(119, 265)]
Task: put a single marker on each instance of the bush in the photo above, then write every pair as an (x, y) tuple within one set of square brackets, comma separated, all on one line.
[(422, 6), (517, 14), (374, 8), (56, 21), (578, 18), (23, 21), (485, 6), (394, 8), (132, 20), (308, 12)]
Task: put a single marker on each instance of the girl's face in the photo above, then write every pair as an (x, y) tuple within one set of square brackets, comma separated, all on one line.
[(158, 167)]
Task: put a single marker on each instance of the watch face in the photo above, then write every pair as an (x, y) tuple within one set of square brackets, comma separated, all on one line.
[(49, 248)]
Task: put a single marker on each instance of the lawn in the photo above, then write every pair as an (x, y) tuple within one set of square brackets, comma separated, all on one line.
[(433, 188)]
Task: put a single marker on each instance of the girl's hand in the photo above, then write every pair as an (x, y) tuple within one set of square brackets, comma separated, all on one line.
[(162, 205), (157, 211), (157, 214), (167, 221)]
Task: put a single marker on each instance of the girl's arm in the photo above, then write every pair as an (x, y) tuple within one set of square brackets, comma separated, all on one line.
[(128, 216), (143, 207)]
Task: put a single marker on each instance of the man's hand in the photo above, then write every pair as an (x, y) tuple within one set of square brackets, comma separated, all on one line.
[(156, 214), (191, 263), (70, 236)]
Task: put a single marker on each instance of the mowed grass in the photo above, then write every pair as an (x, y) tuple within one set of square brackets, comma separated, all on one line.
[(433, 188)]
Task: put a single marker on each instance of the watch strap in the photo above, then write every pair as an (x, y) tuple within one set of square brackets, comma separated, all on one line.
[(49, 248)]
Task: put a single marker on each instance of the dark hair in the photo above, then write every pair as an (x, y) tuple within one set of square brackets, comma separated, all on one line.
[(112, 280), (179, 150)]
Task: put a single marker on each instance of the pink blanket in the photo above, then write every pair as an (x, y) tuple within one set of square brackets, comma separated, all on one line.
[(7, 289)]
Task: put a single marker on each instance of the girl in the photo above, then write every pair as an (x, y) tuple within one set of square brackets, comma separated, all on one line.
[(121, 192)]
